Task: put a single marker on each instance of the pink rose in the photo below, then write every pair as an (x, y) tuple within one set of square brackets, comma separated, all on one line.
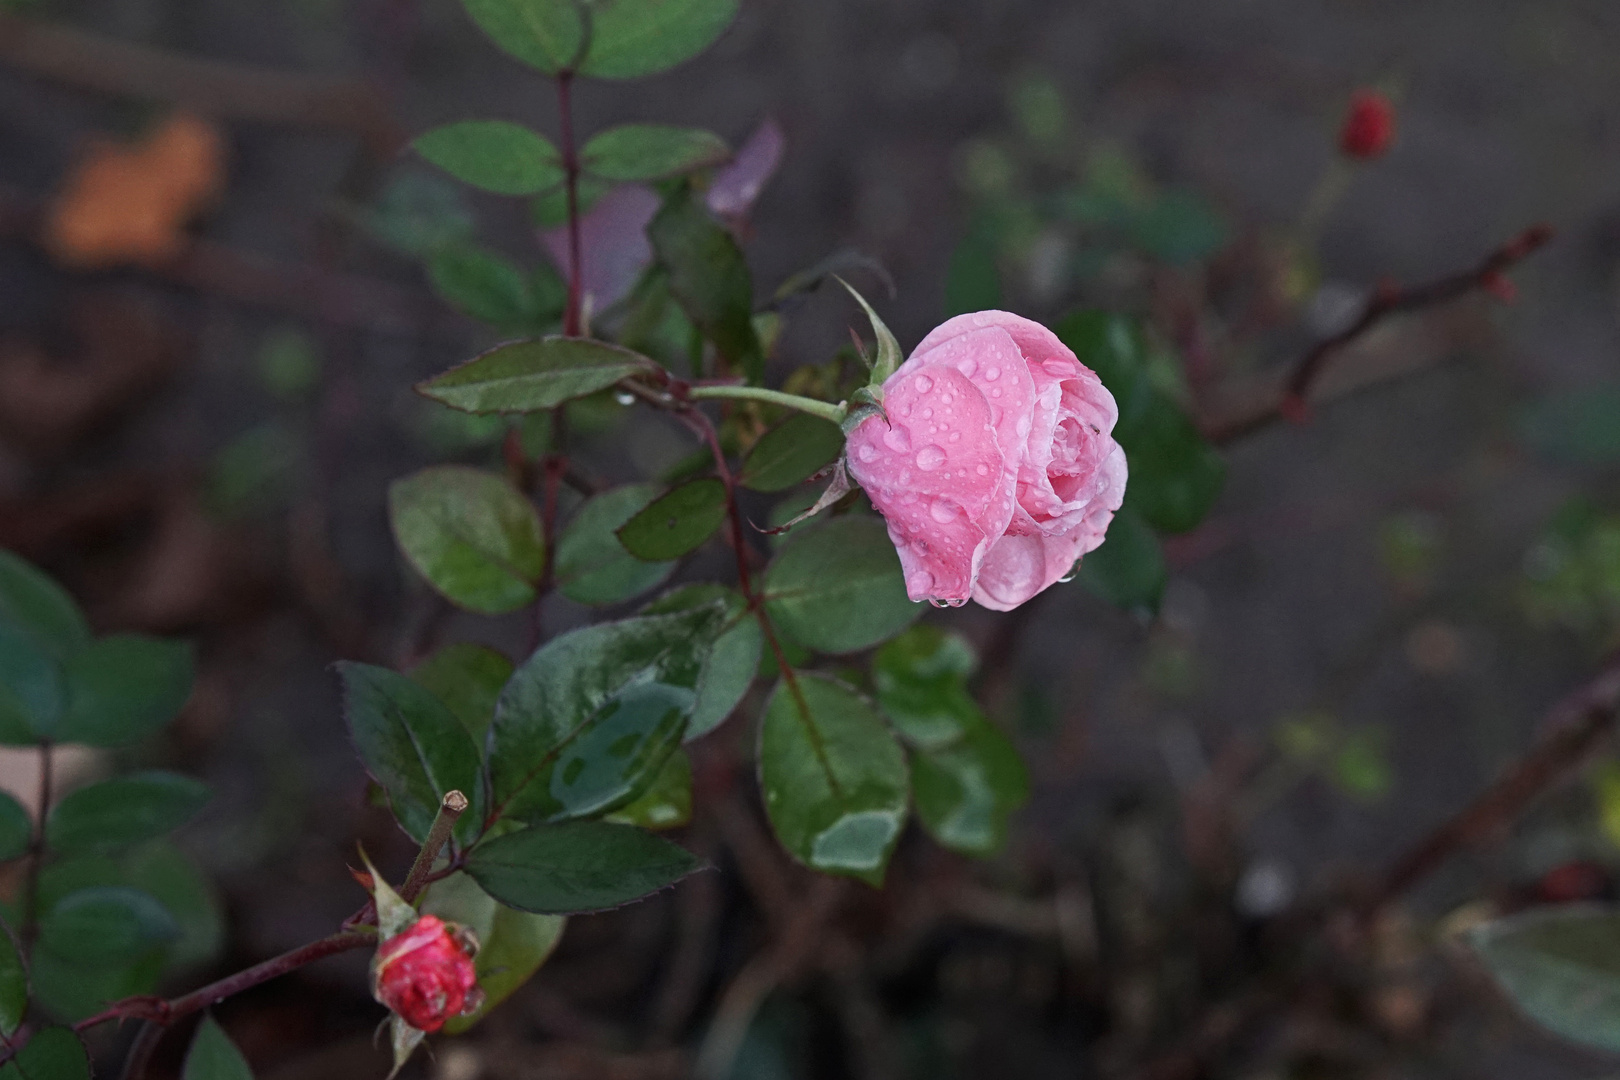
[(997, 469)]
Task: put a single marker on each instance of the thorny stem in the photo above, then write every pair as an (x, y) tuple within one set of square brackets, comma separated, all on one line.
[(36, 853), (824, 409), (570, 162)]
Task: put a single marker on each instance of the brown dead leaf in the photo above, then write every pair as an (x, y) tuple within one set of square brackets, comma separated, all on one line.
[(129, 203)]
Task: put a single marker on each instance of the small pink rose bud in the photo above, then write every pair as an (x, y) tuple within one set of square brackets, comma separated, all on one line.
[(426, 975), (997, 468), (1369, 126)]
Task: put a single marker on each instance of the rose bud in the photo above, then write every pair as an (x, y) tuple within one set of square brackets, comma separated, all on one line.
[(426, 975), (1369, 126), (996, 469)]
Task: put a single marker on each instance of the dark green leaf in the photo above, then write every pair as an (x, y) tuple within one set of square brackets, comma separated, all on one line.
[(675, 522), (16, 828), (731, 665), (651, 152), (921, 682), (1577, 427), (122, 812), (178, 883), (667, 804), (631, 38), (212, 1055), (123, 688), (1128, 570), (791, 453), (467, 678), (484, 285), (578, 866), (40, 608), (585, 723), (32, 690), (545, 34), (550, 211), (512, 944), (592, 566), (52, 1054), (106, 923), (13, 986), (413, 746), (526, 376), (1561, 965), (495, 155), (709, 279), (838, 588), (471, 535), (833, 776), (1180, 228), (966, 791)]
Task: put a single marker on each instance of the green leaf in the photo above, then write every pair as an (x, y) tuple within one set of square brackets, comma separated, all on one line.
[(16, 828), (512, 944), (888, 349), (586, 723), (1561, 965), (731, 665), (179, 884), (122, 812), (212, 1055), (921, 682), (495, 155), (838, 588), (106, 923), (52, 1054), (13, 986), (651, 152), (40, 608), (1576, 427), (632, 38), (833, 776), (592, 566), (966, 791), (676, 522), (709, 279), (1128, 570), (578, 866), (972, 278), (667, 804), (471, 535), (545, 34), (32, 690), (790, 453), (123, 688), (467, 678), (413, 746), (526, 376), (487, 286)]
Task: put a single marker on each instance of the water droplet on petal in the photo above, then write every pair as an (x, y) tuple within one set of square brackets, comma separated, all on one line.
[(930, 457), (984, 470), (867, 452), (992, 374), (996, 392), (942, 511), (897, 439), (919, 582), (927, 414), (923, 384), (956, 436)]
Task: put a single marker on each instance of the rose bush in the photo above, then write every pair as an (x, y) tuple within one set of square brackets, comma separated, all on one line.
[(995, 467)]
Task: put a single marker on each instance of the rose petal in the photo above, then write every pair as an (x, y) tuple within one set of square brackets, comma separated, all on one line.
[(614, 249), (1019, 567)]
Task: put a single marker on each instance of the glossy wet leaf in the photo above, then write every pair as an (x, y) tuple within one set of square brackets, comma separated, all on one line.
[(633, 152), (1128, 570), (676, 522), (838, 588), (709, 279), (494, 155), (467, 678), (1561, 965), (54, 1053), (485, 285), (41, 609), (413, 745), (592, 566), (122, 812), (512, 944), (526, 376), (212, 1055), (790, 453), (585, 724), (667, 803), (833, 776), (965, 791), (123, 688), (577, 866), (632, 38), (731, 664), (16, 828), (471, 535), (106, 923), (13, 986), (921, 683), (545, 34)]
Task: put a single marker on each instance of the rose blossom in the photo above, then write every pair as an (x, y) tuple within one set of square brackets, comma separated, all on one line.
[(996, 470), (425, 974), (1369, 125)]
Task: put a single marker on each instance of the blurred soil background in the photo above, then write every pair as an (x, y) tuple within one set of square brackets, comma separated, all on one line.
[(1367, 628)]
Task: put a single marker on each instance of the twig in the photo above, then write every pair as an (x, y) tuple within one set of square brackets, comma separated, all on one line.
[(1290, 399), (36, 853), (451, 807)]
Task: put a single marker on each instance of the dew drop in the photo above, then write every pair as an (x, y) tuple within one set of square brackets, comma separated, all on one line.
[(946, 399), (930, 457), (956, 436), (897, 439), (996, 392), (927, 414), (867, 452), (992, 374), (984, 470), (918, 582), (942, 511), (923, 384)]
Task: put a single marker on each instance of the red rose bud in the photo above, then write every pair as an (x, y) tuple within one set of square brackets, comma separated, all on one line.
[(1369, 126), (425, 974)]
